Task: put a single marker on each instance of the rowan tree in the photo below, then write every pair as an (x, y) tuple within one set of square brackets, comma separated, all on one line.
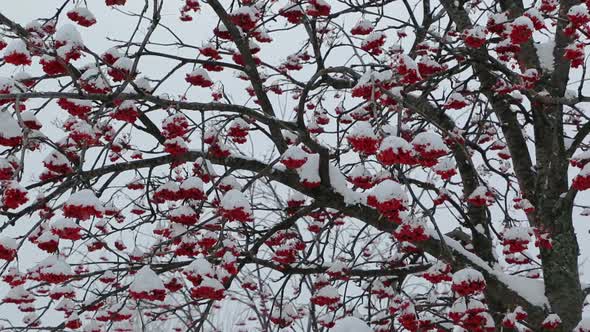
[(243, 165)]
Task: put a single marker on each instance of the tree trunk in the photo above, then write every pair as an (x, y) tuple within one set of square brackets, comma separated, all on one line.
[(560, 270)]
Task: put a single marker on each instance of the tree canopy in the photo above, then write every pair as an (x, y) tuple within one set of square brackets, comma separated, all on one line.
[(217, 165)]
